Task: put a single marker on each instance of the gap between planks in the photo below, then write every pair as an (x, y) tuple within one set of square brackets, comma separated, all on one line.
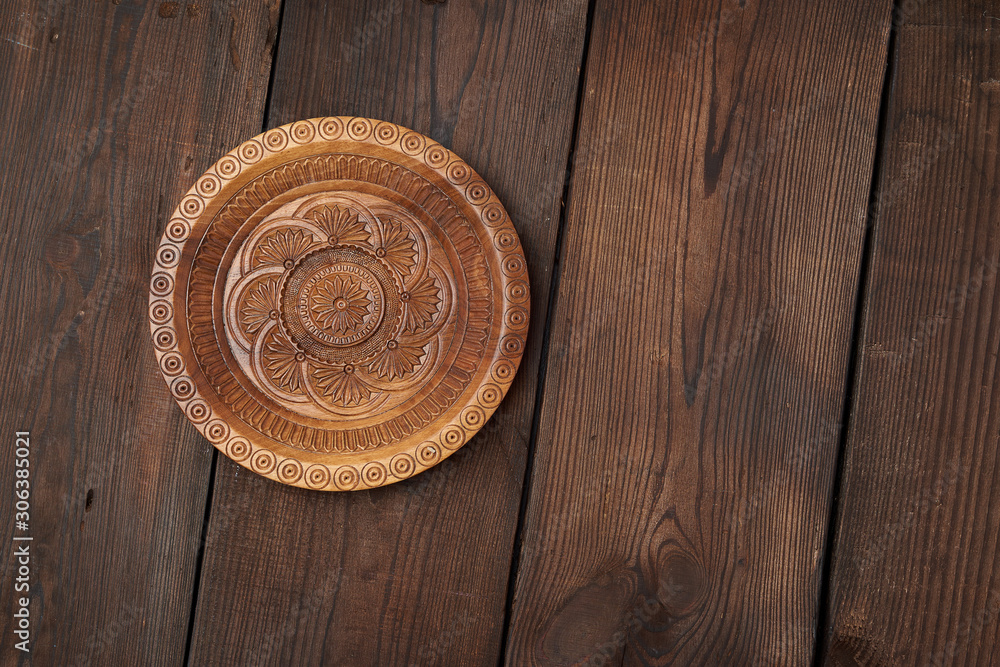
[(856, 345), (200, 558), (543, 359)]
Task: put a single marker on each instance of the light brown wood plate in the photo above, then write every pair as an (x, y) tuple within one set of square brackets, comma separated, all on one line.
[(339, 303)]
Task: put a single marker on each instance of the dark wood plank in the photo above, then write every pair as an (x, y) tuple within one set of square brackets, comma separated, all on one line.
[(701, 336), (916, 577), (110, 110), (416, 572)]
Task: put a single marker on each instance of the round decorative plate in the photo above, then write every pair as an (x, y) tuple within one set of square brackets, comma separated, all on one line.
[(339, 303)]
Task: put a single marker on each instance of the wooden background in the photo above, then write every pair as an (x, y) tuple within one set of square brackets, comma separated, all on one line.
[(758, 419)]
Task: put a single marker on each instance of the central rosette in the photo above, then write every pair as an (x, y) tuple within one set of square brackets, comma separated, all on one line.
[(341, 305)]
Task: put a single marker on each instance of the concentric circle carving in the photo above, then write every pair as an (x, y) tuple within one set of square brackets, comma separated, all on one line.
[(339, 303)]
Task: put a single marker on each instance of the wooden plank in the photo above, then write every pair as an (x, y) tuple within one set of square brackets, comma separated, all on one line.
[(415, 572), (110, 110), (701, 334), (916, 577)]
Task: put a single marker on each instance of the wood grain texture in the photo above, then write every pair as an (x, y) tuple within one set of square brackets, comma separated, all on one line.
[(415, 572), (916, 577), (700, 341), (109, 111)]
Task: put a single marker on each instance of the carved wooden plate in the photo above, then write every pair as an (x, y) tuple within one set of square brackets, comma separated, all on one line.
[(339, 303)]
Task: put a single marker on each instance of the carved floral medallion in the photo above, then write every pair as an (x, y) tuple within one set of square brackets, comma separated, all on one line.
[(339, 303)]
